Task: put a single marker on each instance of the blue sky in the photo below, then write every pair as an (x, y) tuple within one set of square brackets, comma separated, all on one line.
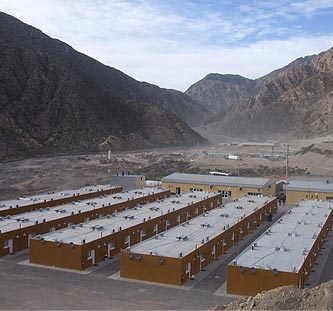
[(175, 43)]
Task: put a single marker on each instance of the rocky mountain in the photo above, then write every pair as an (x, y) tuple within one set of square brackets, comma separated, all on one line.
[(295, 101), (217, 92), (53, 98)]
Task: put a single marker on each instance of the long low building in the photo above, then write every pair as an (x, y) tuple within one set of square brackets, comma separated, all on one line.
[(25, 204), (298, 190), (230, 186), (17, 230), (173, 257), (86, 244), (285, 253)]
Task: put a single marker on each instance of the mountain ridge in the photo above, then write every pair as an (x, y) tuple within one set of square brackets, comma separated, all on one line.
[(294, 101), (55, 99)]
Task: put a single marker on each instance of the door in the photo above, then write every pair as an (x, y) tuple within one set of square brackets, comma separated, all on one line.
[(177, 190), (91, 256), (202, 259), (9, 244), (188, 269), (110, 248), (30, 235)]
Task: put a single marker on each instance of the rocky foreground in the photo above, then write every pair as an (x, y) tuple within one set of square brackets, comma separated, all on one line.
[(286, 298)]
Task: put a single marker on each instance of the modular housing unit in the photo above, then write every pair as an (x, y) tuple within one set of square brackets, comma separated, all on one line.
[(285, 253), (230, 186), (175, 256), (127, 181), (308, 190), (89, 243), (17, 230), (25, 204)]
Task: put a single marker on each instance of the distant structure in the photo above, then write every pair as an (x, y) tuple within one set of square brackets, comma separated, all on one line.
[(285, 253), (230, 186), (127, 181), (309, 190)]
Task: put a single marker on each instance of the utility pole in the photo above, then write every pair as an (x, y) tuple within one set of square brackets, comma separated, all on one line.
[(272, 155), (287, 161)]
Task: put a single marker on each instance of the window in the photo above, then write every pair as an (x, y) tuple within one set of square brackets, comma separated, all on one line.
[(211, 204), (197, 211), (143, 232), (156, 228), (167, 222), (225, 193), (128, 240), (213, 249), (111, 246), (91, 254), (6, 244), (225, 241), (178, 218), (256, 194)]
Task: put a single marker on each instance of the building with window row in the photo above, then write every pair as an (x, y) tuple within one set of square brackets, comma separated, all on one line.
[(175, 256), (86, 244), (16, 231), (230, 186), (285, 253), (25, 204), (308, 190)]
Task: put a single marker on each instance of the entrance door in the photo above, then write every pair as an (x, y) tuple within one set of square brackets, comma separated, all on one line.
[(177, 190), (92, 256), (202, 259), (9, 245), (30, 235), (110, 248), (188, 270)]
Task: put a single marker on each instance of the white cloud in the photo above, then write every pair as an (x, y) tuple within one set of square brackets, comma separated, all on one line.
[(171, 48)]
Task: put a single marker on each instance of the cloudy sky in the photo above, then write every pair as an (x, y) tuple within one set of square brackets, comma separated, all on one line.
[(174, 43)]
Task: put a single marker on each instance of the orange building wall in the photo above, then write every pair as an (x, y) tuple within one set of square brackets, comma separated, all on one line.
[(249, 284), (63, 255), (150, 268)]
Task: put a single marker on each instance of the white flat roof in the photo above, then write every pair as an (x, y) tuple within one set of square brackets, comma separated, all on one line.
[(313, 186), (185, 238), (218, 180), (49, 196), (14, 222), (289, 240), (125, 219)]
